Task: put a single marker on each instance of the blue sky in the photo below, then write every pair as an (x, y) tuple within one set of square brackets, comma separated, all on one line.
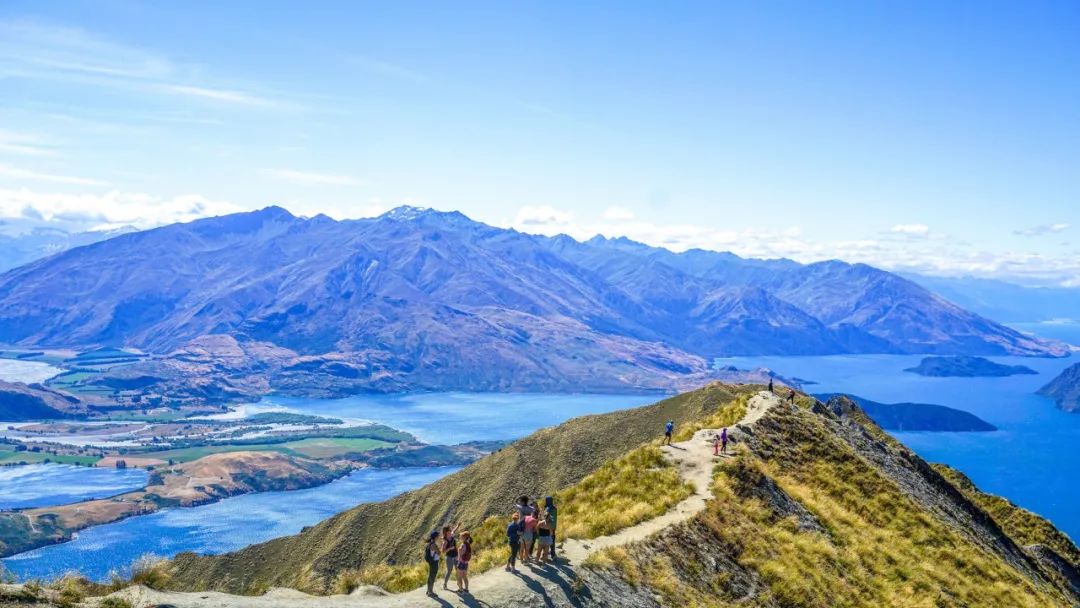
[(939, 137)]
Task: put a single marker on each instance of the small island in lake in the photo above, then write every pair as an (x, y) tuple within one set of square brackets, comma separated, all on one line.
[(1065, 389), (916, 416), (966, 367)]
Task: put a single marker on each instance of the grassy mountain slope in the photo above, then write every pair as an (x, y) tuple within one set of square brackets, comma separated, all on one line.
[(372, 534), (823, 509), (819, 508)]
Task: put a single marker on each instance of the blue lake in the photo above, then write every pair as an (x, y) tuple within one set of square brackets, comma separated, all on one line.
[(223, 526), (449, 418), (44, 485), (1030, 460)]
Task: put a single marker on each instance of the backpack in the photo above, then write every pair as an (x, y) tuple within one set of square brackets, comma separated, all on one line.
[(552, 516)]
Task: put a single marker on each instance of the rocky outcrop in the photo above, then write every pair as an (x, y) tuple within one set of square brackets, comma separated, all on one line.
[(1065, 389), (966, 367)]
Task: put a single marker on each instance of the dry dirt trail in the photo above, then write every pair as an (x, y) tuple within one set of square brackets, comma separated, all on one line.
[(540, 586)]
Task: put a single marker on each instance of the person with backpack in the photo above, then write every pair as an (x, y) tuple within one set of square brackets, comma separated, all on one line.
[(431, 556), (791, 397), (551, 514), (464, 556), (449, 550), (723, 441), (513, 539), (669, 428)]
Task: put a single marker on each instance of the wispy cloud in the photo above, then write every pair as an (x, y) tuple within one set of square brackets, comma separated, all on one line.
[(37, 50), (24, 144), (1042, 230), (310, 178), (27, 174), (386, 68)]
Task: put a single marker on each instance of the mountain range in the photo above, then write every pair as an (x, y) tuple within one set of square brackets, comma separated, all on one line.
[(418, 298)]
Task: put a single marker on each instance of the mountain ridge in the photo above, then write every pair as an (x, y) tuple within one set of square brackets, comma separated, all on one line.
[(410, 286)]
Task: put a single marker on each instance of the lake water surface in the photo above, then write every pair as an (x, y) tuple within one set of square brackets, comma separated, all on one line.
[(15, 370), (1031, 460), (228, 525), (45, 485)]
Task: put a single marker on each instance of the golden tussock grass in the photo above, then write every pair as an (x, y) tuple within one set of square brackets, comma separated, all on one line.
[(636, 487)]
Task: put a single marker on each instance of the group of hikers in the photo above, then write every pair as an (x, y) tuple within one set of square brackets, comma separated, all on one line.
[(530, 538), (530, 535)]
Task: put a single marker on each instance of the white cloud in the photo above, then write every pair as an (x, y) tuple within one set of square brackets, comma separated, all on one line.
[(310, 178), (543, 219), (114, 208), (910, 229), (907, 251), (1042, 230), (26, 174), (618, 214)]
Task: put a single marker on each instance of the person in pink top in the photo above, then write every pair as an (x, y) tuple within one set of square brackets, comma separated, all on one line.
[(528, 536)]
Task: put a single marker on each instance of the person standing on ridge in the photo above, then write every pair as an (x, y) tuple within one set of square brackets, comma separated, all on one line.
[(716, 444), (431, 556), (771, 386), (551, 514), (791, 397), (723, 441), (513, 539), (464, 556), (449, 550), (668, 429)]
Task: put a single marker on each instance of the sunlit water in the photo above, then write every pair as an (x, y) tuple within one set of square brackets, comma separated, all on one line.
[(44, 485), (1032, 459), (449, 418), (14, 370), (215, 528)]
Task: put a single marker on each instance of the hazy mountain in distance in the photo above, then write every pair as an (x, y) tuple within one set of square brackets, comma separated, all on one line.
[(461, 303), (23, 242), (1004, 301)]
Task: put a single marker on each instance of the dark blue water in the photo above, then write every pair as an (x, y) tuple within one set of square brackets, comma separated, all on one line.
[(45, 485), (215, 528), (449, 418), (1031, 459)]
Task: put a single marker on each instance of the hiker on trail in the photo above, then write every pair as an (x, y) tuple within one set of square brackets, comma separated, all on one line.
[(513, 538), (791, 397), (431, 556), (723, 441), (528, 535), (551, 514), (543, 540), (716, 444), (449, 550), (771, 385), (668, 429), (464, 555)]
